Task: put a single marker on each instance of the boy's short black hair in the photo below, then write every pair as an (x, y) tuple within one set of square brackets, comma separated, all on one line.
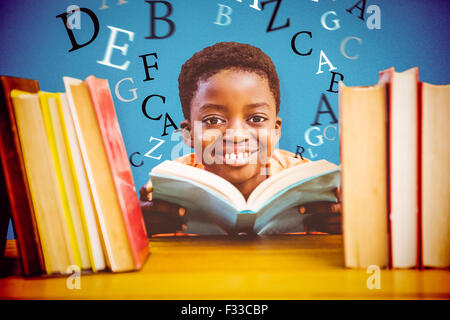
[(220, 56)]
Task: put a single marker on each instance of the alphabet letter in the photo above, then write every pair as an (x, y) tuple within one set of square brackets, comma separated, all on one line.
[(75, 44), (319, 137), (272, 19), (323, 98), (311, 153), (154, 148), (343, 44), (144, 104), (109, 48), (294, 48), (74, 21), (333, 81), (325, 132), (153, 17), (221, 14), (131, 160), (132, 90), (298, 153), (146, 66), (254, 5), (172, 124), (336, 21), (362, 9), (74, 280), (322, 55), (105, 6), (374, 21), (374, 281)]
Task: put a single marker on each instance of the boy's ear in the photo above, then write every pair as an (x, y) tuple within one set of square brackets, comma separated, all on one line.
[(186, 133), (278, 128)]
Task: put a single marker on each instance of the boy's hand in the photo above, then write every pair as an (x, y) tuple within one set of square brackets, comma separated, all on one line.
[(161, 216), (325, 216)]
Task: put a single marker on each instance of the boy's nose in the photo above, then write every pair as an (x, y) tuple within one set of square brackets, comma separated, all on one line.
[(235, 138), (235, 132)]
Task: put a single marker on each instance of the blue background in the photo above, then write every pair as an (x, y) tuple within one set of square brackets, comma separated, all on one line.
[(35, 44)]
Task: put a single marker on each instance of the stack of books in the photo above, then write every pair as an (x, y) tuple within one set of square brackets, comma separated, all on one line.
[(65, 169), (395, 158)]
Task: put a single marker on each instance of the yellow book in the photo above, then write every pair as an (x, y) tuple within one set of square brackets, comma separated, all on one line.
[(58, 152), (80, 187), (43, 182), (115, 240)]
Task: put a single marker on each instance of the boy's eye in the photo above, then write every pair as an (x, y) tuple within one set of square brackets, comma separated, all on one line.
[(213, 121), (257, 119)]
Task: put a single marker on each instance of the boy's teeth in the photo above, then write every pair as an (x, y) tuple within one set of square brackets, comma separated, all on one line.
[(239, 156)]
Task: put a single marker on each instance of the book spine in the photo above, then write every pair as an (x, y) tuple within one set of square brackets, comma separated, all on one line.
[(19, 196), (419, 175), (120, 167), (68, 225), (389, 169)]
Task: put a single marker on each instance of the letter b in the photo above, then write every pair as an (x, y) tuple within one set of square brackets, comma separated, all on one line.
[(221, 14), (153, 17)]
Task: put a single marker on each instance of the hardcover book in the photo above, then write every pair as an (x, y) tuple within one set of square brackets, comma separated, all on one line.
[(17, 198), (204, 193)]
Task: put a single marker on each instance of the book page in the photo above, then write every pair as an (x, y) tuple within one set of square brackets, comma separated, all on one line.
[(277, 183), (209, 180)]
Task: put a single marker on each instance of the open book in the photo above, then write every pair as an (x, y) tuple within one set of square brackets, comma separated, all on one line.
[(206, 194)]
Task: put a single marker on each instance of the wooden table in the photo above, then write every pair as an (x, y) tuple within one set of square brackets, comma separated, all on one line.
[(270, 267)]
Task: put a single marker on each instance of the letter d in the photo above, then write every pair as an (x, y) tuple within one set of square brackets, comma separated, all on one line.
[(75, 44)]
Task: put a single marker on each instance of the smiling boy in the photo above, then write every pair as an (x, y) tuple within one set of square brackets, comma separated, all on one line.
[(230, 98)]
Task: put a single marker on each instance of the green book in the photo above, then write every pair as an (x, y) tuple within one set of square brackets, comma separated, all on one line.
[(210, 198)]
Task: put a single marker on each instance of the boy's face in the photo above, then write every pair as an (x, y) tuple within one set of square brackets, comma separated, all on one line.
[(233, 124)]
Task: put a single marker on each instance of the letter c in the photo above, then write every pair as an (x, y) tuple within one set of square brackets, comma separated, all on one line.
[(144, 104), (294, 48), (325, 132), (344, 42), (131, 160)]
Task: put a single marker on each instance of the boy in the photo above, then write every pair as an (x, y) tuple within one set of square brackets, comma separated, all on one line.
[(230, 98)]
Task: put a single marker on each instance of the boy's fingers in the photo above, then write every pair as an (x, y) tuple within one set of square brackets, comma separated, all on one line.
[(333, 220), (330, 223), (320, 207), (337, 192), (163, 206), (164, 228), (143, 193)]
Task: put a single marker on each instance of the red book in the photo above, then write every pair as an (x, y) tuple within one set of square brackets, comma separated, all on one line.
[(15, 180), (120, 167)]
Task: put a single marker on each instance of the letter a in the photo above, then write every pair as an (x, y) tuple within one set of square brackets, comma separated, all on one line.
[(374, 281), (322, 55), (323, 98), (362, 9), (374, 21)]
